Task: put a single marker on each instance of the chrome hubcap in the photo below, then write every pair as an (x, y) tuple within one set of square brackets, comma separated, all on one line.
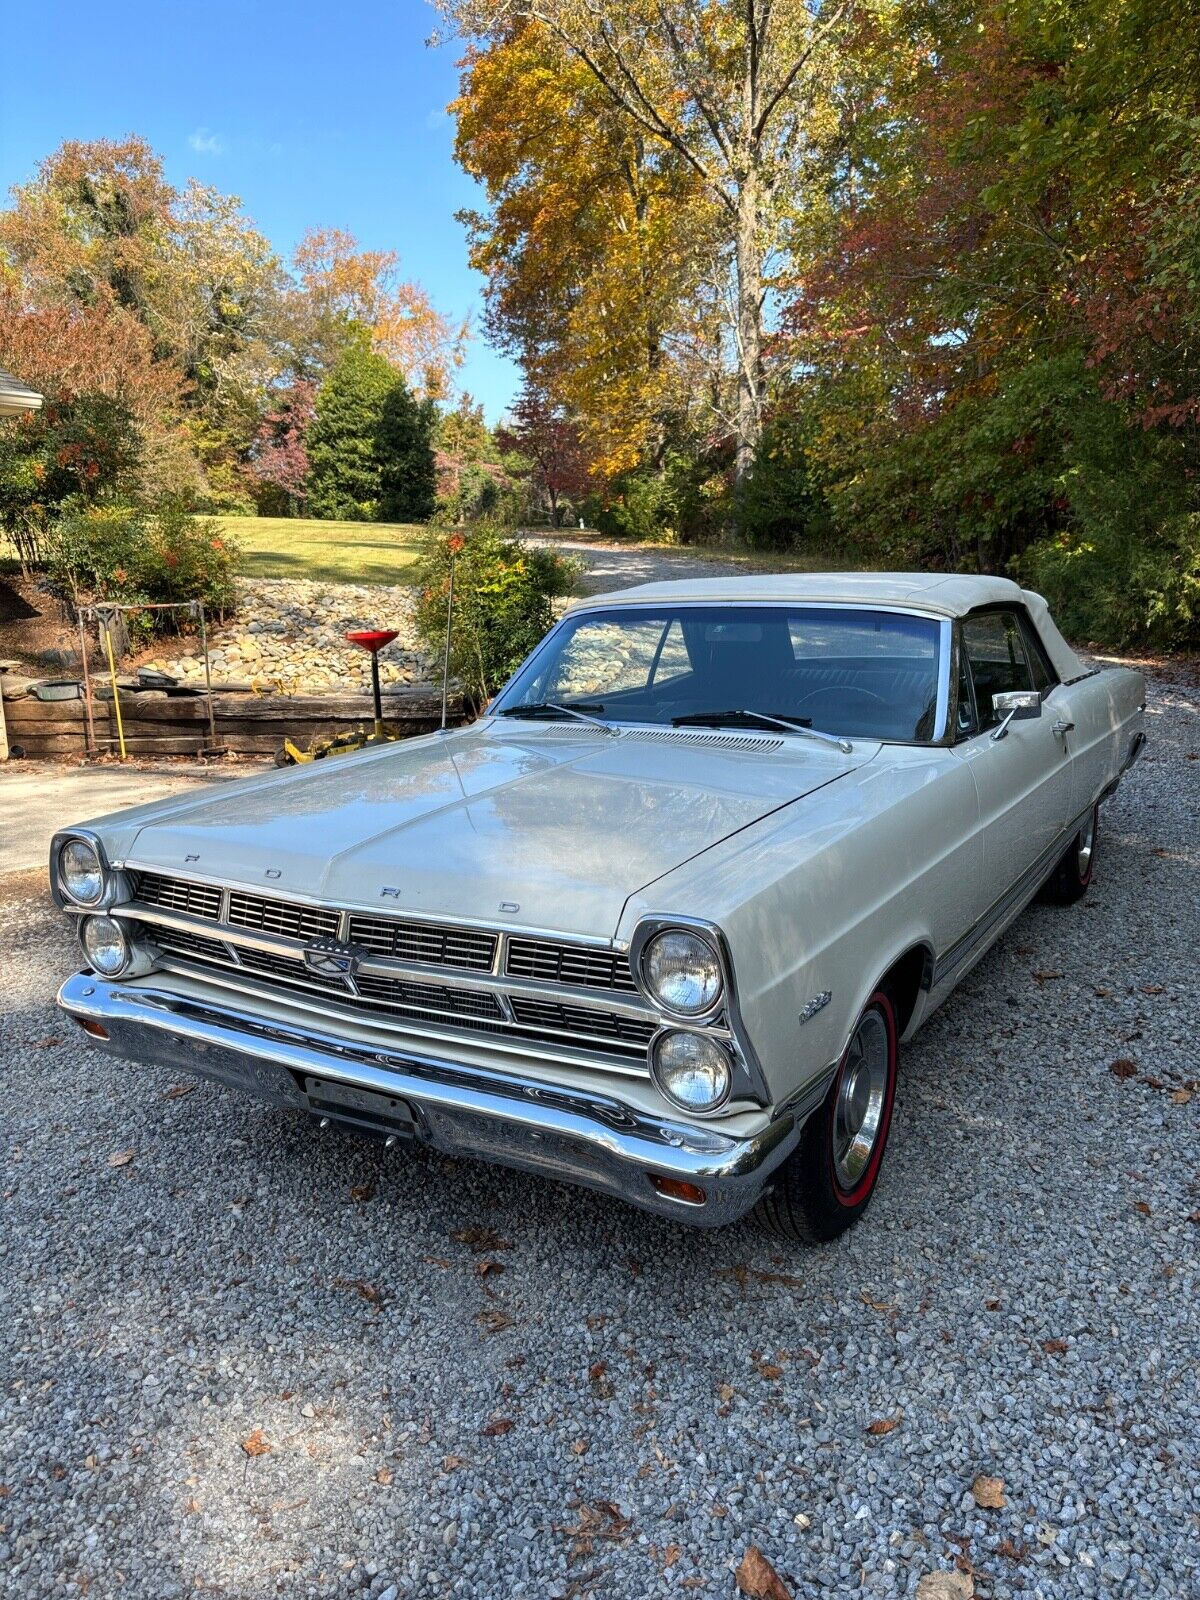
[(1087, 840), (861, 1094)]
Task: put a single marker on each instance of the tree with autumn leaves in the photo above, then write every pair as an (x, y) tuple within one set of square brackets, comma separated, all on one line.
[(167, 302), (901, 284)]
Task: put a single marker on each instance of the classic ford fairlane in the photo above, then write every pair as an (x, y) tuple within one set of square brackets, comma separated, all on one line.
[(657, 922)]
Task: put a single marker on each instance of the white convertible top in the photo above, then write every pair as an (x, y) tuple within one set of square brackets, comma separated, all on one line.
[(941, 594)]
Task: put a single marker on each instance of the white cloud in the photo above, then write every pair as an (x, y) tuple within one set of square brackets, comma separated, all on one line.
[(205, 143)]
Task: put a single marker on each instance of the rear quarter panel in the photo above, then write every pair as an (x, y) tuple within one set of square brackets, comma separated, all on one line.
[(827, 894), (1107, 708)]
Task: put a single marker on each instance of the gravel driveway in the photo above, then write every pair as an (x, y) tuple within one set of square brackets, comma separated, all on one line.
[(246, 1358)]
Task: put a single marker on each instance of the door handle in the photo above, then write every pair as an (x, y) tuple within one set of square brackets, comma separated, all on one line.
[(1062, 729)]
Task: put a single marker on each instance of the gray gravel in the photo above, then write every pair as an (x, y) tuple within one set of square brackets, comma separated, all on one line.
[(1022, 1297)]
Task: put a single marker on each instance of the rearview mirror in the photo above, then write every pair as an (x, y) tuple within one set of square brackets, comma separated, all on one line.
[(1015, 705)]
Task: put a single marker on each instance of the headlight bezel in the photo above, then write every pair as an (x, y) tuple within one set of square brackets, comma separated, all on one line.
[(114, 889), (709, 1041), (703, 936), (80, 841), (86, 924)]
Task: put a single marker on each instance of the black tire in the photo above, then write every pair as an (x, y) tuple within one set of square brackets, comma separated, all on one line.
[(817, 1193), (1070, 879)]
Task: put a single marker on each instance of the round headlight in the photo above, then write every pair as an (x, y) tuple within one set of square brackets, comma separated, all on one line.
[(691, 1070), (682, 972), (80, 872), (106, 945)]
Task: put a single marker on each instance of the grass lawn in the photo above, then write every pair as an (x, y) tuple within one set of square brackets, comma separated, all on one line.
[(337, 552)]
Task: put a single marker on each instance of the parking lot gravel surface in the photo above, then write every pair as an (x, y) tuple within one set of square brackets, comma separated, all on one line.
[(243, 1357)]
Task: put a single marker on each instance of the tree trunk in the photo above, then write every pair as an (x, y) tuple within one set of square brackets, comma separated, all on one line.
[(749, 330)]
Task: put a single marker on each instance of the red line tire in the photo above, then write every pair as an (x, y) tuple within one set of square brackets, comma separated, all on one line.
[(827, 1182), (1070, 879)]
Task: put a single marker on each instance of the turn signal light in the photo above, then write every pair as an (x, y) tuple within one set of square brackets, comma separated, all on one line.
[(678, 1189), (96, 1029)]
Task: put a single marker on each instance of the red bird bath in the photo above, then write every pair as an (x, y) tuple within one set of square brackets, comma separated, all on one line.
[(374, 639)]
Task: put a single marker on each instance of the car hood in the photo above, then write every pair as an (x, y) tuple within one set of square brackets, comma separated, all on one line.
[(537, 826)]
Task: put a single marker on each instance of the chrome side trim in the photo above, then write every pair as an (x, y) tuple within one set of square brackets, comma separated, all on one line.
[(593, 1139)]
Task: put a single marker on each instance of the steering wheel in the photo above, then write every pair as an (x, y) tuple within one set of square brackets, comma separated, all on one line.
[(840, 691)]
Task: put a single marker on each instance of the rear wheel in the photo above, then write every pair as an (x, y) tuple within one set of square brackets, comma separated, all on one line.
[(1070, 879), (827, 1182)]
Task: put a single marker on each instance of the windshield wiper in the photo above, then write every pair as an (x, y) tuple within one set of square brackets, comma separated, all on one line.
[(716, 718), (559, 708)]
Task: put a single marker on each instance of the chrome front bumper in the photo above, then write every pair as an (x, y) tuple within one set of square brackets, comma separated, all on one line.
[(594, 1140)]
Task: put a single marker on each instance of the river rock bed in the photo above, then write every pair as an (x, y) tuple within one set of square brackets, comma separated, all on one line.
[(288, 636)]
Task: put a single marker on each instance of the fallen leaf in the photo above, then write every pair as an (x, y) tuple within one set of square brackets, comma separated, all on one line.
[(1055, 1347), (1194, 1216), (1153, 988), (767, 1369), (757, 1578), (1181, 1097), (991, 1305), (875, 1305), (486, 1268), (885, 1424), (493, 1320), (1122, 1067), (1014, 1552), (121, 1158), (580, 1447), (596, 1371), (384, 1476), (360, 1193), (48, 1042), (256, 1445), (178, 1090), (1046, 977), (366, 1291), (434, 1261), (480, 1240), (1143, 1208), (726, 1392), (497, 1426), (452, 1463), (989, 1492), (946, 1586), (1102, 994), (671, 1555)]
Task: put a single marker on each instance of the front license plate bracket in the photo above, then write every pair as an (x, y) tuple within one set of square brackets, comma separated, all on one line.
[(364, 1109)]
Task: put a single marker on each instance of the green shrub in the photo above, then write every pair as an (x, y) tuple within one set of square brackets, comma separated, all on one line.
[(682, 500), (130, 555), (503, 601)]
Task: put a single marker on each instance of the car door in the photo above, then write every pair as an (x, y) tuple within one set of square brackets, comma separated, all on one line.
[(1023, 778)]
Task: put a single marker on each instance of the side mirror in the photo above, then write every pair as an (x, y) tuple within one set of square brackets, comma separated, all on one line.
[(1015, 705)]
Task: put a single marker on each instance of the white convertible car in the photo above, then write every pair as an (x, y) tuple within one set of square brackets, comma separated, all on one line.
[(659, 920)]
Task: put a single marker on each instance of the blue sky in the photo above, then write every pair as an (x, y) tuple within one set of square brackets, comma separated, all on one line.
[(312, 113)]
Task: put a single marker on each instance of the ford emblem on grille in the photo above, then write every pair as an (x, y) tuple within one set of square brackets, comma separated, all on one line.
[(331, 958)]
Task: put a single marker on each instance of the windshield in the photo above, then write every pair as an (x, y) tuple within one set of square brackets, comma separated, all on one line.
[(848, 672)]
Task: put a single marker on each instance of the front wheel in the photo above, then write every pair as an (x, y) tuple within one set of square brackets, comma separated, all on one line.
[(1070, 878), (827, 1182)]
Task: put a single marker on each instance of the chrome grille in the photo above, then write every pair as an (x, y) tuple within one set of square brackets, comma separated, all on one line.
[(282, 917), (178, 894), (569, 963), (580, 1019), (469, 949), (429, 1005), (193, 944)]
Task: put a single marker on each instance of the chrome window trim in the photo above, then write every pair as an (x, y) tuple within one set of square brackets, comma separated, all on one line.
[(942, 731)]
